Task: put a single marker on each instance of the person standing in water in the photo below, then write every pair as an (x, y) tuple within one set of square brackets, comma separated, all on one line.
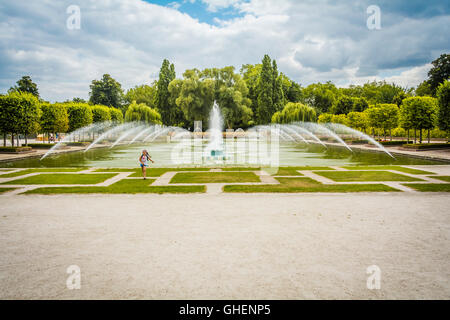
[(144, 159)]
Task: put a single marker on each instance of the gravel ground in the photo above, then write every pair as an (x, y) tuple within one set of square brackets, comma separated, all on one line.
[(227, 246)]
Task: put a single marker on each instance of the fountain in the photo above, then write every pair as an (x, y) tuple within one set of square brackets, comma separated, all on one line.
[(214, 148)]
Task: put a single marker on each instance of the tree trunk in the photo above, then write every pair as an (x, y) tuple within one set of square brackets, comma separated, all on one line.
[(407, 137), (420, 136), (429, 138), (12, 139), (384, 131), (26, 140), (18, 140), (4, 139), (390, 133), (415, 136)]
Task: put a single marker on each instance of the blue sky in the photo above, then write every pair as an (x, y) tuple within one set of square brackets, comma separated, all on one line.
[(200, 10), (312, 40)]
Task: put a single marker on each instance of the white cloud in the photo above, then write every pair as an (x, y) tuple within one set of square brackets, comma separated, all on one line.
[(312, 41)]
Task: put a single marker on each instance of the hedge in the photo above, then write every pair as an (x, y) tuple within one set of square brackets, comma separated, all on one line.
[(14, 149), (421, 146), (39, 145)]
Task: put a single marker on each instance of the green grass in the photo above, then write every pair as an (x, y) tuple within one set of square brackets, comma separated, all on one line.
[(241, 169), (429, 187), (27, 171), (443, 178), (214, 177), (151, 172), (2, 190), (56, 178), (292, 171), (294, 185), (125, 186), (349, 176), (396, 168)]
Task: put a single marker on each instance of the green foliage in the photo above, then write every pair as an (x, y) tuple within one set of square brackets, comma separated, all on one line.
[(265, 90), (80, 115), (143, 113), (162, 97), (294, 112), (196, 96), (26, 85), (54, 118), (443, 95), (424, 89), (325, 118), (439, 72), (357, 120), (107, 92), (101, 113), (116, 115), (343, 105), (419, 113), (383, 116), (19, 113), (142, 94), (231, 95), (321, 96)]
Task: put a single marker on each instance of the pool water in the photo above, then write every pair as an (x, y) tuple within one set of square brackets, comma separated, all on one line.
[(165, 155)]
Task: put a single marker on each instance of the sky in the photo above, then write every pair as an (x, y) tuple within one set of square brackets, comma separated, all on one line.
[(312, 40)]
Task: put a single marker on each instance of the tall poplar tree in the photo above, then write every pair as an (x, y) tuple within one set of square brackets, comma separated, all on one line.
[(162, 97), (265, 109)]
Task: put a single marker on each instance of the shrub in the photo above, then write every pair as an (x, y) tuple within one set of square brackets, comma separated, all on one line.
[(420, 146), (40, 145), (293, 112), (14, 149)]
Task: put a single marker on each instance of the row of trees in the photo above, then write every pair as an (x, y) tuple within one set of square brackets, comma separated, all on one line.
[(23, 113), (414, 113)]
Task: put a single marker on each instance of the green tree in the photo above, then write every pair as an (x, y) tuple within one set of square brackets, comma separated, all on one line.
[(265, 89), (9, 115), (293, 112), (321, 96), (174, 92), (107, 92), (80, 115), (162, 101), (325, 118), (423, 89), (143, 113), (25, 84), (54, 118), (439, 72), (250, 74), (420, 113), (101, 113), (383, 116), (359, 104), (443, 95), (196, 96), (29, 113), (142, 94), (343, 105), (277, 96), (357, 120), (116, 115)]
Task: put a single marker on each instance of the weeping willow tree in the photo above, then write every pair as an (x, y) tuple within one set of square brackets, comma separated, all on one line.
[(143, 113), (294, 112)]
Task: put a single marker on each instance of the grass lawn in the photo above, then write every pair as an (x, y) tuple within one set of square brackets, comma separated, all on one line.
[(429, 187), (6, 189), (397, 168), (443, 178), (214, 177), (241, 169), (27, 171), (129, 186), (292, 171), (57, 178), (151, 172), (293, 185), (350, 176)]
